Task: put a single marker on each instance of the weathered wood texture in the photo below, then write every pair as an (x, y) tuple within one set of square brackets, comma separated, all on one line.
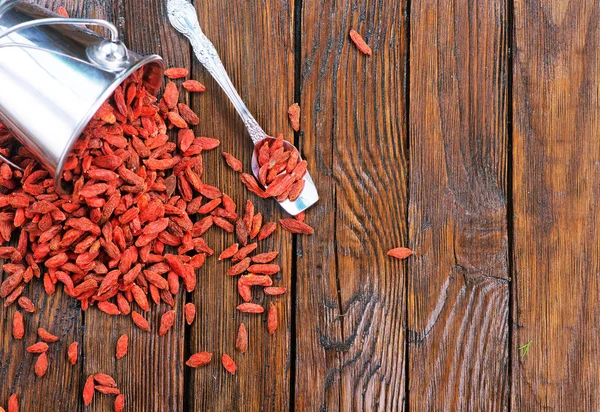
[(458, 288), (255, 42), (59, 314), (556, 180), (407, 147), (350, 295)]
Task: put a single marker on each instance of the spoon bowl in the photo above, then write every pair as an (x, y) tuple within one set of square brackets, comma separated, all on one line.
[(309, 195)]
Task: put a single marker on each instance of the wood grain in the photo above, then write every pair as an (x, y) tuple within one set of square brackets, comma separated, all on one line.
[(59, 314), (556, 180), (254, 40), (62, 316), (408, 147), (350, 295), (458, 291), (151, 375)]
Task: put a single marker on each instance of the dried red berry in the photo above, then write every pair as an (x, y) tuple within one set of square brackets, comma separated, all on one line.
[(26, 304), (243, 252), (41, 365), (166, 322), (119, 403), (272, 318), (18, 330), (264, 268), (400, 252), (73, 353), (250, 308), (234, 163), (122, 345), (61, 11), (39, 347), (265, 257), (107, 390), (239, 268), (241, 342), (273, 290), (176, 72), (199, 359), (88, 390), (228, 364), (360, 43), (266, 230), (193, 86), (229, 252), (190, 313), (295, 226), (105, 380), (13, 403), (294, 114), (46, 336), (140, 321)]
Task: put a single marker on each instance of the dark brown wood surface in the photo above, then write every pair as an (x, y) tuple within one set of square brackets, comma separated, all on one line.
[(255, 40), (353, 295), (57, 313), (469, 136), (556, 180), (458, 288)]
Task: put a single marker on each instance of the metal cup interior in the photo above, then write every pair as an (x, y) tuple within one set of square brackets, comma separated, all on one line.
[(153, 67), (51, 87)]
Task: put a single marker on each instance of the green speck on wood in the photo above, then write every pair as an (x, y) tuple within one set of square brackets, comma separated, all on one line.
[(525, 348)]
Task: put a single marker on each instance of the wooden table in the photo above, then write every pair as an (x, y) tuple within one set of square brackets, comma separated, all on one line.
[(470, 136)]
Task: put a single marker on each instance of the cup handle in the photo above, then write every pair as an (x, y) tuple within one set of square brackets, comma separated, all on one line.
[(111, 55), (114, 32)]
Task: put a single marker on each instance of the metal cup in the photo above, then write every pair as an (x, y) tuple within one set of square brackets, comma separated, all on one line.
[(55, 75)]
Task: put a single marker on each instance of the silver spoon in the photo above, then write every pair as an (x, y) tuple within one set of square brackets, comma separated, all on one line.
[(183, 17)]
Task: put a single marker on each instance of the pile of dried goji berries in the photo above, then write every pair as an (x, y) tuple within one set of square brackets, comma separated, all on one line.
[(131, 228)]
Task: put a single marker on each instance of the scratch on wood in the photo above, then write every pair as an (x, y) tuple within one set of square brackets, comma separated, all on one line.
[(359, 297), (418, 337)]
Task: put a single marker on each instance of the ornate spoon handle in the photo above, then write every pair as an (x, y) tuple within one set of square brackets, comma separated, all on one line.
[(182, 16)]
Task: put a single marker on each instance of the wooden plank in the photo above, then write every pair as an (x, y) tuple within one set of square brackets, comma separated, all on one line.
[(556, 180), (58, 314), (350, 295), (458, 288), (152, 374), (254, 40)]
